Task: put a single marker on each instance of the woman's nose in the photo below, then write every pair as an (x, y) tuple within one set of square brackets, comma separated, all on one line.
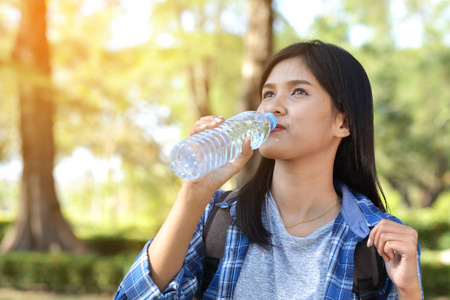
[(276, 105)]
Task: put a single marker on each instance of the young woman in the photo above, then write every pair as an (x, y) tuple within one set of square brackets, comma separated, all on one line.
[(315, 195)]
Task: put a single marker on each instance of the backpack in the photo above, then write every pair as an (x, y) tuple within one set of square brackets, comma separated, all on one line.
[(369, 271)]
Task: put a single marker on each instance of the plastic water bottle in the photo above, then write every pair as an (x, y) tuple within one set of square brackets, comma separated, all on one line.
[(205, 151)]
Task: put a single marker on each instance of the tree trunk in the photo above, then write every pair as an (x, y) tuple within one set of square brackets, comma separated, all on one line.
[(258, 49), (40, 225), (200, 75), (430, 195)]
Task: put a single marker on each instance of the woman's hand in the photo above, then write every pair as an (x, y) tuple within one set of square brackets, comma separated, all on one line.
[(397, 245), (216, 178)]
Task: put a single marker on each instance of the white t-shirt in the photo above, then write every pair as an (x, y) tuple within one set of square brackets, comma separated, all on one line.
[(295, 268)]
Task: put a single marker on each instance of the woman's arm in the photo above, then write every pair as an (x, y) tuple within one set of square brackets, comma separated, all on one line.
[(397, 245), (168, 250), (169, 247)]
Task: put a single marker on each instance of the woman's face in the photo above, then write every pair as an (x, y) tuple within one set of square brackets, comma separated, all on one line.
[(308, 125)]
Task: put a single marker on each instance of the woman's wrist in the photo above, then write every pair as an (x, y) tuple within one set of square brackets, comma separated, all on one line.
[(411, 293), (197, 195)]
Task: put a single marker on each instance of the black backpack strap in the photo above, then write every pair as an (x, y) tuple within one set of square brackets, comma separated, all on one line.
[(369, 272), (212, 215), (214, 237)]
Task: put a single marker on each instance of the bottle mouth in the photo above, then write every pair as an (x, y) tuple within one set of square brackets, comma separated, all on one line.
[(272, 120)]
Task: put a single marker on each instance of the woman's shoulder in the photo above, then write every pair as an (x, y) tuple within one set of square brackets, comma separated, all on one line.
[(220, 199), (372, 213), (359, 212)]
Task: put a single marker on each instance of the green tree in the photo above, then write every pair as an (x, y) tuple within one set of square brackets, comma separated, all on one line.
[(40, 224), (108, 104), (410, 90), (8, 112), (204, 54), (411, 106), (258, 43), (413, 123)]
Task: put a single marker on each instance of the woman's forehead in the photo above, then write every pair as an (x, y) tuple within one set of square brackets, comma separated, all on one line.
[(291, 69)]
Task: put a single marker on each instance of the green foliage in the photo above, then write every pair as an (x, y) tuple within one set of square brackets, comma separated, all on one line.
[(9, 193), (75, 274), (107, 246), (3, 228), (412, 120), (433, 236), (69, 273), (435, 279), (63, 273), (9, 144), (104, 242), (432, 224), (331, 29)]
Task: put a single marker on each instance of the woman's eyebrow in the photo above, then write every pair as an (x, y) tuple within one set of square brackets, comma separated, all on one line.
[(299, 81), (268, 85), (290, 82)]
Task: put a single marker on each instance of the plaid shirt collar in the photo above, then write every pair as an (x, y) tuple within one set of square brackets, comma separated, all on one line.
[(352, 213)]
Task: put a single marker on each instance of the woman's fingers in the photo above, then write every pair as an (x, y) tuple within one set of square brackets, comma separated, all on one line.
[(397, 245), (204, 123), (390, 238), (390, 244), (239, 162)]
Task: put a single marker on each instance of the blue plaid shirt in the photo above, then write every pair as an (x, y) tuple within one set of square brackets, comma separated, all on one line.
[(351, 226)]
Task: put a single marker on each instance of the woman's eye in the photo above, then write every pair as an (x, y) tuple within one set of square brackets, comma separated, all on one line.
[(299, 91), (268, 94)]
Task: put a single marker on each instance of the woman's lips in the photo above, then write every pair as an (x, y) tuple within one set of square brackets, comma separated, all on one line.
[(278, 128)]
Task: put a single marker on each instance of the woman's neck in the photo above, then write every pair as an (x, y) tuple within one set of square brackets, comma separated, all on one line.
[(302, 192)]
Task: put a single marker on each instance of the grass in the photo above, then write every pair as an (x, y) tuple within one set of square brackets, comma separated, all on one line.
[(10, 294)]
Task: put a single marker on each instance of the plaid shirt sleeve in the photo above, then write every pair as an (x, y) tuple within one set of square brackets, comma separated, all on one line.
[(138, 284)]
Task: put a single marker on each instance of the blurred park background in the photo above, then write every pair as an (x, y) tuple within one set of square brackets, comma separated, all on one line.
[(94, 93)]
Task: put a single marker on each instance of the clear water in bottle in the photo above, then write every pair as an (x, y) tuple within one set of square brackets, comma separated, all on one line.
[(203, 152)]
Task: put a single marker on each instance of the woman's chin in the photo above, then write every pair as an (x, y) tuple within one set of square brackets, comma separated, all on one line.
[(269, 152)]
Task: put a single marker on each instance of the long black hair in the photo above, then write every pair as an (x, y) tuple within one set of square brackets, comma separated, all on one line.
[(345, 80)]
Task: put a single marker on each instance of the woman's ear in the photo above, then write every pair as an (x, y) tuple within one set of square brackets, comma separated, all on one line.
[(343, 126)]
